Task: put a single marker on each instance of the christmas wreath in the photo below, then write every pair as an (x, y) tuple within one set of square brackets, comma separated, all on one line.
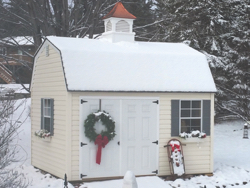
[(104, 137), (106, 120)]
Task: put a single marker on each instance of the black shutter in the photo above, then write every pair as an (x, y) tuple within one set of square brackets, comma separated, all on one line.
[(175, 117), (52, 117), (42, 119), (206, 122)]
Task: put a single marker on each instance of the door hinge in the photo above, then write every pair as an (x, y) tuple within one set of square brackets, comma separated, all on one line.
[(82, 101), (157, 101), (82, 144), (81, 175), (156, 142), (155, 172)]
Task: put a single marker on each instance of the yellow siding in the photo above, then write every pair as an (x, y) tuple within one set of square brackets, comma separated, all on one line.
[(48, 82), (198, 158)]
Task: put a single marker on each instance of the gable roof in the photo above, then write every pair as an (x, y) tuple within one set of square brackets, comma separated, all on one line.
[(98, 65), (119, 11)]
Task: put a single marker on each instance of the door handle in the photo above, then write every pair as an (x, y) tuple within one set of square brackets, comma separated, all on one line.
[(118, 143)]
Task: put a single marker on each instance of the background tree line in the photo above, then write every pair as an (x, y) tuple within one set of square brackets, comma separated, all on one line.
[(218, 28)]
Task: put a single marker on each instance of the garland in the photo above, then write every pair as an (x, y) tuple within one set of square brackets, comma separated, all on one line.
[(106, 120)]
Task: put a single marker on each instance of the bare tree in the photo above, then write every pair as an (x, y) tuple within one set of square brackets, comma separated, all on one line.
[(69, 18), (9, 177), (41, 18)]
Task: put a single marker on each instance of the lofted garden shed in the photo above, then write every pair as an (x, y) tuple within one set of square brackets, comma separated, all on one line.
[(139, 94)]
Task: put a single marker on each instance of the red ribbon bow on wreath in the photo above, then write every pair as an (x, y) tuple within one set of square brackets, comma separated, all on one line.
[(175, 146), (101, 142)]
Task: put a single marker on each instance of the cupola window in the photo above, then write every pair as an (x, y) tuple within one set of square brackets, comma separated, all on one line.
[(122, 26), (109, 26)]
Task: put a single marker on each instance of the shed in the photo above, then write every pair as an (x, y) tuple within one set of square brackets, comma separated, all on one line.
[(153, 91)]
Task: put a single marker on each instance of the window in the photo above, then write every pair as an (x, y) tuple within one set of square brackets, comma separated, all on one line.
[(190, 115), (3, 51), (122, 26), (109, 26), (47, 115)]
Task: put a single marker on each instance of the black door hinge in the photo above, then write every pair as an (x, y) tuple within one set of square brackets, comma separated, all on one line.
[(157, 101), (82, 144), (155, 172), (81, 175), (156, 142), (82, 101)]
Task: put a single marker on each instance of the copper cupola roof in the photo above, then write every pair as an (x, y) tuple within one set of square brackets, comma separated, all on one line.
[(119, 11)]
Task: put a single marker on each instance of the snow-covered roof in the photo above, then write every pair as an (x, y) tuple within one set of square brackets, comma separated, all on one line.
[(19, 40), (15, 88), (99, 65)]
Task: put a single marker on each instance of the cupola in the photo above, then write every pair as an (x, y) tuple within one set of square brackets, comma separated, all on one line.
[(118, 24)]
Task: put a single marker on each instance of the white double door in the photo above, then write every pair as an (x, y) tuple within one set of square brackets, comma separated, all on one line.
[(132, 147)]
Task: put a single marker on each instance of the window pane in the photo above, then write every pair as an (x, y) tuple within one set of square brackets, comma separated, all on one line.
[(47, 102), (196, 122), (185, 125), (47, 112), (185, 113), (47, 124), (196, 104), (185, 104), (196, 113), (195, 128), (185, 129)]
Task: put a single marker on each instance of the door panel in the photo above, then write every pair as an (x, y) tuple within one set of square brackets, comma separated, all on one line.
[(110, 154), (139, 130)]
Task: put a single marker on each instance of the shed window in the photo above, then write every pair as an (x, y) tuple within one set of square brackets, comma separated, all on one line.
[(190, 116), (47, 115)]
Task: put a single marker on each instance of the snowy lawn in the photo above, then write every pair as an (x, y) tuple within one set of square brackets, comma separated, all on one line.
[(231, 162)]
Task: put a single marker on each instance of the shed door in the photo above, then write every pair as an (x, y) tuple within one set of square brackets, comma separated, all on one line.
[(139, 130), (136, 129), (110, 158)]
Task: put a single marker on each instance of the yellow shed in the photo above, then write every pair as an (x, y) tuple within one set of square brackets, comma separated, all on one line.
[(150, 91)]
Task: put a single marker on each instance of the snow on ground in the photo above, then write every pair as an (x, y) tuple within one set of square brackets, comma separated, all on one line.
[(231, 161)]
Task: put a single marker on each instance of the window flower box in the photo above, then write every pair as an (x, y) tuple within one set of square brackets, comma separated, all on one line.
[(192, 140), (43, 134), (194, 136)]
